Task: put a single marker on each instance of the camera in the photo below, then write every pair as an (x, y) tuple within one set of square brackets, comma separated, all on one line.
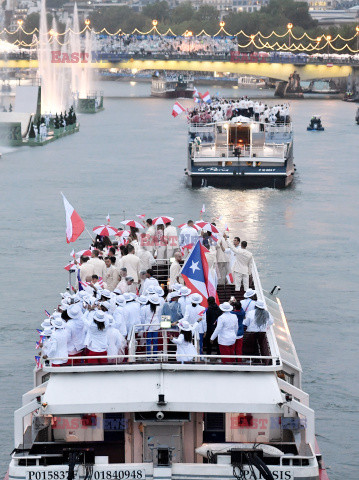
[(160, 415)]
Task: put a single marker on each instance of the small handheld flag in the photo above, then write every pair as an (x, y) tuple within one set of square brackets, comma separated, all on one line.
[(47, 314), (206, 97), (177, 109), (108, 218), (38, 361)]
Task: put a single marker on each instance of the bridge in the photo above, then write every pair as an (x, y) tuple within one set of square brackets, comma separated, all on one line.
[(274, 66)]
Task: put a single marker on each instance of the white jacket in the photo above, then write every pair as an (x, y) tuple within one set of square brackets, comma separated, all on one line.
[(226, 330), (58, 346), (99, 267), (243, 260), (150, 319)]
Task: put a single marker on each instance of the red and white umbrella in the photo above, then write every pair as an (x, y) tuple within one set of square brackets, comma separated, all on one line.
[(123, 233), (105, 230), (84, 253), (207, 227), (162, 220), (132, 223), (185, 225)]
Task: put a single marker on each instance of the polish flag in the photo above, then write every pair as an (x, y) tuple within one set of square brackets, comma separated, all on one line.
[(72, 254), (229, 278), (108, 218), (74, 223), (206, 97), (177, 109), (203, 209), (141, 216), (69, 266), (226, 229)]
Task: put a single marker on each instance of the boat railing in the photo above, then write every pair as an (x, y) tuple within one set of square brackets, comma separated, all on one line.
[(215, 152), (278, 128), (132, 361)]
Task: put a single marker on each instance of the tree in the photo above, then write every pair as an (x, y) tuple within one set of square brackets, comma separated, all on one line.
[(159, 10), (182, 13), (207, 14)]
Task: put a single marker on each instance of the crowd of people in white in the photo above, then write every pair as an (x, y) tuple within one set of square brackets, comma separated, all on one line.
[(117, 297), (238, 110)]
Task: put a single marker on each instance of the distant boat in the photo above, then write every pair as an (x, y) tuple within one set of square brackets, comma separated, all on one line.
[(172, 85), (248, 81), (315, 124)]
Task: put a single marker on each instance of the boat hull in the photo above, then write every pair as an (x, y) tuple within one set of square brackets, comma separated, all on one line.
[(173, 94), (240, 181)]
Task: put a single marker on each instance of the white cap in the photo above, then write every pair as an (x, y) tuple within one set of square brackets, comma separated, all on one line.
[(226, 307)]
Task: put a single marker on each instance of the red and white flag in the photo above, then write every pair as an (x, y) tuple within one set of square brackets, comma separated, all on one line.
[(203, 209), (72, 254), (177, 109), (141, 216), (226, 229), (108, 218), (70, 266), (74, 223), (229, 278)]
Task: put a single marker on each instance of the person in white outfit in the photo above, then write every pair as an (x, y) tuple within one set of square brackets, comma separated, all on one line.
[(160, 245), (193, 314), (99, 266), (171, 239), (249, 301), (184, 299), (151, 322), (186, 351), (116, 342), (175, 269), (76, 330), (96, 338), (120, 315), (132, 310), (259, 319), (146, 259), (242, 267), (58, 343), (226, 331)]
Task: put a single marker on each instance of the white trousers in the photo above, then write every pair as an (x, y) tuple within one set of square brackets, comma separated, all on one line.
[(223, 272), (240, 278)]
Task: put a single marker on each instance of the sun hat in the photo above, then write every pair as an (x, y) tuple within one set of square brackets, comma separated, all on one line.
[(47, 332), (176, 287), (74, 311), (46, 323), (173, 295), (184, 292), (150, 290), (260, 304), (249, 293), (128, 297), (106, 305), (159, 291), (99, 316), (120, 300), (196, 298), (106, 293), (226, 307), (155, 299), (184, 325), (58, 323), (142, 300), (117, 291)]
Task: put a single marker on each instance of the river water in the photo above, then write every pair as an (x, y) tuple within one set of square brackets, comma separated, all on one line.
[(129, 160)]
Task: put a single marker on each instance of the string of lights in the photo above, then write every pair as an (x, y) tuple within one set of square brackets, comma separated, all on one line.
[(258, 40)]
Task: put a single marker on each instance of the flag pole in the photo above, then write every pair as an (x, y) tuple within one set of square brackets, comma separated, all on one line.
[(89, 234)]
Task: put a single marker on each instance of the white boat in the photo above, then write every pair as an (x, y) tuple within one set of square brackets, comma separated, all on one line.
[(248, 81), (240, 153), (149, 417)]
